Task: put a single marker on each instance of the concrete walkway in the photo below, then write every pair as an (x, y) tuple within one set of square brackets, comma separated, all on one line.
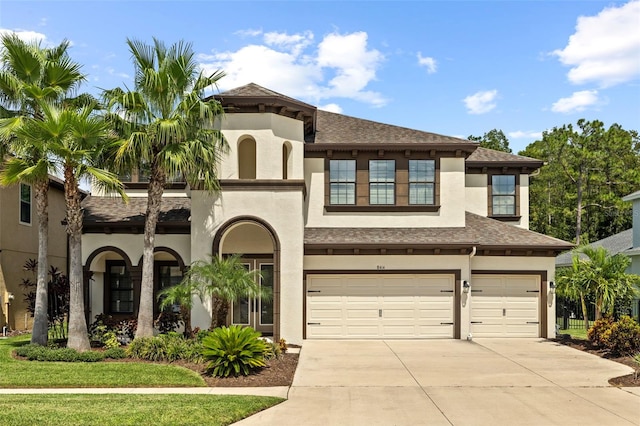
[(449, 382)]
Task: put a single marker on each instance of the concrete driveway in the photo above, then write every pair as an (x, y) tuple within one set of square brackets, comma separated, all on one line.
[(452, 382)]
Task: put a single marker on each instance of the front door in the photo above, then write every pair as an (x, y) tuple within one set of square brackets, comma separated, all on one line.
[(254, 311)]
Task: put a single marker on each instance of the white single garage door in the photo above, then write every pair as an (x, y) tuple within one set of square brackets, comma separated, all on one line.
[(505, 305), (380, 306)]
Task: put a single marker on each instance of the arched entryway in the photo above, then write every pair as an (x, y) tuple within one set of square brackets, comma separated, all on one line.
[(259, 246)]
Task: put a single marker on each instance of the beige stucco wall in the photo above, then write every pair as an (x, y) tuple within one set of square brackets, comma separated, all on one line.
[(19, 243), (451, 213), (270, 132), (282, 210)]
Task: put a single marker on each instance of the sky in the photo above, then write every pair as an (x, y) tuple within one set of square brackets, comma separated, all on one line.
[(457, 68)]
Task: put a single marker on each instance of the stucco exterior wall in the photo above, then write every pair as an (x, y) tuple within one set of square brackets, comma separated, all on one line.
[(281, 210), (19, 243), (270, 132), (476, 194), (451, 213)]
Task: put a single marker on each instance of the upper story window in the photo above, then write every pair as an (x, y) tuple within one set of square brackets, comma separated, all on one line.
[(286, 160), (503, 195), (247, 159), (382, 178), (422, 182), (342, 181), (25, 203)]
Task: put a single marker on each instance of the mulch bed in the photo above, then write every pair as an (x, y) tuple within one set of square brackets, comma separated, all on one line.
[(584, 345)]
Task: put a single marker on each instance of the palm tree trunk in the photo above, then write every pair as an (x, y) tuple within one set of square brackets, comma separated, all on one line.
[(78, 334), (40, 330), (219, 312), (154, 200)]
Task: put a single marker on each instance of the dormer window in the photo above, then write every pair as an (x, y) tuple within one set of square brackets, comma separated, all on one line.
[(342, 181)]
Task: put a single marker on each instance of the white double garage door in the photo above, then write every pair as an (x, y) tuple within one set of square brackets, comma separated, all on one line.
[(403, 306)]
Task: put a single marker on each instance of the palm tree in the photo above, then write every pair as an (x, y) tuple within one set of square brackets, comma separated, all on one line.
[(180, 294), (167, 126), (601, 276), (31, 73), (224, 280), (75, 138)]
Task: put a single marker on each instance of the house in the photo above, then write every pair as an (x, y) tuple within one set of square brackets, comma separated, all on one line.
[(626, 242), (19, 243), (361, 229)]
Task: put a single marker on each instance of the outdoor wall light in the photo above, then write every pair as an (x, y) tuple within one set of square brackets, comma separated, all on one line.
[(10, 297), (466, 286), (552, 285)]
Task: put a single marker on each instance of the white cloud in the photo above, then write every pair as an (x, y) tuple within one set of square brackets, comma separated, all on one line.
[(427, 62), (114, 73), (604, 49), (577, 102), (248, 33), (28, 36), (481, 102), (519, 134), (340, 66), (331, 108)]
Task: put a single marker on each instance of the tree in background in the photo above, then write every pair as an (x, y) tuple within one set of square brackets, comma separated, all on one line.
[(166, 126), (493, 139), (588, 169), (601, 276), (31, 73)]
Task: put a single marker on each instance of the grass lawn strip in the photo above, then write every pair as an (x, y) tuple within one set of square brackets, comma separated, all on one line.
[(34, 374), (118, 410)]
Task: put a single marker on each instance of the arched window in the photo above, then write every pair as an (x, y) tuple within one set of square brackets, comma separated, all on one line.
[(247, 159), (286, 159)]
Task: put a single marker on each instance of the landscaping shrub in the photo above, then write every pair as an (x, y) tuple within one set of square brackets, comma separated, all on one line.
[(624, 337), (272, 350), (115, 353), (233, 350), (168, 322), (100, 331), (165, 347), (44, 353), (599, 330)]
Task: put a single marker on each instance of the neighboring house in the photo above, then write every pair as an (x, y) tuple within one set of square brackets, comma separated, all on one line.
[(362, 230), (625, 242), (19, 243)]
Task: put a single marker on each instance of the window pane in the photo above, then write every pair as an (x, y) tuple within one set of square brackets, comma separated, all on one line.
[(25, 203), (342, 175), (421, 193), (504, 204), (241, 306), (503, 185), (381, 193), (422, 171), (266, 306), (382, 171), (121, 290)]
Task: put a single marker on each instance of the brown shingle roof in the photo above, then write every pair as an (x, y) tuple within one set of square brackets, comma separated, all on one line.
[(104, 210), (332, 128), (479, 231), (483, 156), (253, 90)]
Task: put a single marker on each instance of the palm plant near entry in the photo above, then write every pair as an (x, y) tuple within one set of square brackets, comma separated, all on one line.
[(182, 295), (29, 74), (75, 137), (166, 125)]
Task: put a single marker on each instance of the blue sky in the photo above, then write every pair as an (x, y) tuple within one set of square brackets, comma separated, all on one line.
[(455, 68)]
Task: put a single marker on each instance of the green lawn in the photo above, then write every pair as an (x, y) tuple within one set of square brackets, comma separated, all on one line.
[(118, 410), (576, 333), (34, 374)]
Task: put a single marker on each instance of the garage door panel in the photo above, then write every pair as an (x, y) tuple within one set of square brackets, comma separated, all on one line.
[(505, 306), (385, 306)]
